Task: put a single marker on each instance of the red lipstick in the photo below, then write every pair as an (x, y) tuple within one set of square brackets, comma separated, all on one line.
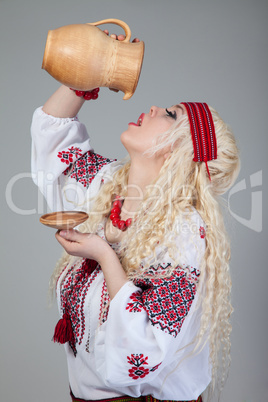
[(139, 122)]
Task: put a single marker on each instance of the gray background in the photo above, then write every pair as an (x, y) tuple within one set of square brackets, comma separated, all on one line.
[(203, 50)]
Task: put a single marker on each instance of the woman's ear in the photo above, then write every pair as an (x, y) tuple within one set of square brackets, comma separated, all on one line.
[(167, 155)]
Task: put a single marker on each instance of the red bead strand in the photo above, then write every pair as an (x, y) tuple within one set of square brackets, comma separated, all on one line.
[(115, 216), (87, 95)]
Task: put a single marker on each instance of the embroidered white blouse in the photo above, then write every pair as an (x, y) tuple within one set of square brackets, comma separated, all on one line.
[(142, 342)]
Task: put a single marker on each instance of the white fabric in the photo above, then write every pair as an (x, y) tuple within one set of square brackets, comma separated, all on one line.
[(102, 367)]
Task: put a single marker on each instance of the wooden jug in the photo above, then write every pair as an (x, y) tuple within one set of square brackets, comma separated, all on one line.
[(83, 57)]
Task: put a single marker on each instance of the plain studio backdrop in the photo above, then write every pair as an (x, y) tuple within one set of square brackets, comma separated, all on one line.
[(195, 50)]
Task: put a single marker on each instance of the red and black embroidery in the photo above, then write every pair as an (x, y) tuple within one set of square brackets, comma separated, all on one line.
[(74, 288), (167, 301), (136, 302), (104, 304), (70, 155), (85, 168), (202, 232), (138, 361)]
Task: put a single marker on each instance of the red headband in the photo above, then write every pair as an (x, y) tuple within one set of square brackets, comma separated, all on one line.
[(203, 132)]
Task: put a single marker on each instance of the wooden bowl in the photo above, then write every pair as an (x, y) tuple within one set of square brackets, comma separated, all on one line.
[(64, 219)]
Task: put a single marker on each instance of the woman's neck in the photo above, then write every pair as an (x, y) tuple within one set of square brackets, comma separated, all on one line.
[(140, 176)]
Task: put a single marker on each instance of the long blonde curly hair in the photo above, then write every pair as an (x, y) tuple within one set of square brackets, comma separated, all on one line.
[(181, 184)]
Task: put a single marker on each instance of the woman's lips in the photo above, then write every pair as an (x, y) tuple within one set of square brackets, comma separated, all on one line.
[(139, 122)]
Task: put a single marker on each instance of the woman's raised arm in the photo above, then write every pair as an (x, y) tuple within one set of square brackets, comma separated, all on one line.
[(63, 103)]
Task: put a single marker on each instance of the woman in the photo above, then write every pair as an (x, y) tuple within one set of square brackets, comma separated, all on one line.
[(144, 291)]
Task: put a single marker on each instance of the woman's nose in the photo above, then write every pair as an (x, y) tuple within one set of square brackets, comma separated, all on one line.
[(153, 110)]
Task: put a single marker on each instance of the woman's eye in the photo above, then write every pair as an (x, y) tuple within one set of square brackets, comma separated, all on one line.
[(171, 114)]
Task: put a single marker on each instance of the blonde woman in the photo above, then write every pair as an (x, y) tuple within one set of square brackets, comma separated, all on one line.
[(143, 292)]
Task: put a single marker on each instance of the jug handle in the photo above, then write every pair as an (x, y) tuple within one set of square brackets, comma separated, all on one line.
[(122, 24)]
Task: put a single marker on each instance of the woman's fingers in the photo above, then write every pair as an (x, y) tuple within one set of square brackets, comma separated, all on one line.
[(85, 245), (71, 235), (123, 37), (67, 242), (69, 239), (120, 37), (74, 242)]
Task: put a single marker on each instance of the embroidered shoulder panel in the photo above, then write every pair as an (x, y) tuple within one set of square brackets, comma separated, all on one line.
[(167, 301), (84, 169)]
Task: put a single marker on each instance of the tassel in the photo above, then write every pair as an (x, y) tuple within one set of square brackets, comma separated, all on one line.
[(63, 330)]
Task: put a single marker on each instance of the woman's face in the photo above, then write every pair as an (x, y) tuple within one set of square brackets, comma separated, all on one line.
[(139, 137)]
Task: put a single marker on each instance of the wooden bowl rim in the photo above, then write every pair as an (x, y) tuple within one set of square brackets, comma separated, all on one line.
[(51, 218)]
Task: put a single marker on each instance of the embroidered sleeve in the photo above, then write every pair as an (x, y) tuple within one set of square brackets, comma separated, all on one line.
[(146, 324), (61, 151), (166, 301), (152, 318), (56, 143)]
